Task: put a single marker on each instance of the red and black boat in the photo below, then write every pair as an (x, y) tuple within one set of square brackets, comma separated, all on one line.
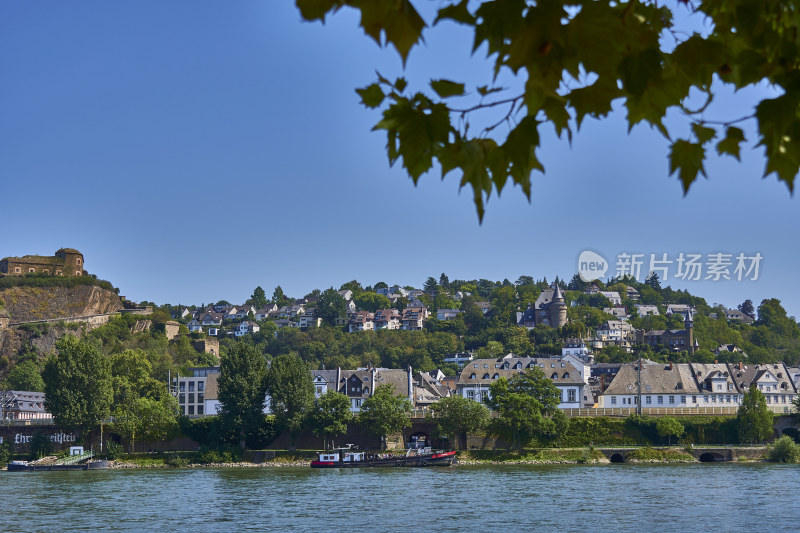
[(351, 457)]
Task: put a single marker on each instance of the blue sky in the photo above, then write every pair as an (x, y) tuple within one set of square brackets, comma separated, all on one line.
[(195, 150)]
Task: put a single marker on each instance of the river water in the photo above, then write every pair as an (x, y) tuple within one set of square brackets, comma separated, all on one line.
[(614, 498)]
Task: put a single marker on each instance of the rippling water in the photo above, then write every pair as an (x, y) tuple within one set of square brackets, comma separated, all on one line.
[(640, 498)]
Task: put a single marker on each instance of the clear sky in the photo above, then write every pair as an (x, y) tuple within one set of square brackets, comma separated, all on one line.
[(193, 150)]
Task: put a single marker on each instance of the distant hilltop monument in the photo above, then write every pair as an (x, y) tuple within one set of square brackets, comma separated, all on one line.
[(66, 262)]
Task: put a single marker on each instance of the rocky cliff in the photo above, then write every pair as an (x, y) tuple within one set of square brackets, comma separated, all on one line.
[(25, 304)]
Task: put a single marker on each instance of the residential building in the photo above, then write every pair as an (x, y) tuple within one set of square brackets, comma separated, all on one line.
[(246, 328), (191, 390), (662, 385), (362, 321), (644, 310), (477, 376), (23, 405), (387, 319), (447, 314), (459, 359), (414, 318), (613, 297), (734, 315), (194, 325), (620, 313)]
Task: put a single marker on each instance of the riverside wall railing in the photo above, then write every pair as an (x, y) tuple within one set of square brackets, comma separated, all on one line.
[(647, 411)]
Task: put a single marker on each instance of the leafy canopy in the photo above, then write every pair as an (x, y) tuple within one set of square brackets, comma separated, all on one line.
[(385, 413), (754, 419), (528, 407), (456, 415), (574, 59), (77, 384)]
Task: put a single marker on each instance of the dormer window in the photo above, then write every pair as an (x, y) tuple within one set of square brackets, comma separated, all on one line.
[(486, 376), (554, 376), (566, 375), (472, 376), (496, 376)]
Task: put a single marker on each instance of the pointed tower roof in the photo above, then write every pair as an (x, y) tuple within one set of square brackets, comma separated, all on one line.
[(557, 294)]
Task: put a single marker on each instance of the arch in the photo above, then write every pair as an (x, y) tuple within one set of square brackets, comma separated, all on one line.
[(617, 458), (711, 457)]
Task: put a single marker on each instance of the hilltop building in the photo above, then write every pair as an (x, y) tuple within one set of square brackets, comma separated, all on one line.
[(65, 262), (549, 309)]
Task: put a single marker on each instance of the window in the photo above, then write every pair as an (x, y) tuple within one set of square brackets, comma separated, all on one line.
[(181, 398), (191, 386), (496, 376), (182, 386), (17, 270), (694, 399), (486, 376), (31, 269), (199, 409), (200, 386), (200, 397), (191, 410), (648, 400), (554, 376), (470, 395), (571, 395), (191, 397), (672, 400), (660, 399), (472, 376), (566, 375), (613, 400), (683, 399)]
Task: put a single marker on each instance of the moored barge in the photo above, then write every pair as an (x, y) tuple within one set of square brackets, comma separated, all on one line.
[(351, 457)]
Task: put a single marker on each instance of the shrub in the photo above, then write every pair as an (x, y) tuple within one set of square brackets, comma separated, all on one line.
[(5, 453), (221, 454), (784, 451), (176, 461), (114, 450), (41, 445)]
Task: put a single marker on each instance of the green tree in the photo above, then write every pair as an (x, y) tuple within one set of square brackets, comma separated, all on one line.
[(280, 299), (242, 389), (372, 301), (574, 59), (330, 306), (25, 376), (754, 420), (747, 308), (259, 298), (331, 415), (291, 392), (385, 413), (669, 427), (145, 418), (528, 407), (455, 416), (77, 384)]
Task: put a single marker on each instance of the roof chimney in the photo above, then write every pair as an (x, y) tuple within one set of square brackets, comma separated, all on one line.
[(670, 365), (740, 365)]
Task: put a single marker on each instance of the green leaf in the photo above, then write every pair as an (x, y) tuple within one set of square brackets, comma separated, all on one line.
[(520, 151), (416, 131), (687, 159), (447, 88), (396, 19), (703, 133), (371, 96), (638, 70), (730, 144), (594, 100), (317, 9), (457, 13), (556, 112), (400, 84)]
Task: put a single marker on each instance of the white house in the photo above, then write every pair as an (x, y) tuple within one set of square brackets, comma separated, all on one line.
[(447, 314), (246, 328), (194, 325), (613, 297)]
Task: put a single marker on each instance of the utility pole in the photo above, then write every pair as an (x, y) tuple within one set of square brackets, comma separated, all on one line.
[(639, 387)]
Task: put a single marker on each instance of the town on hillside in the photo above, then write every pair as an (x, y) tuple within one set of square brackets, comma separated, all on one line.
[(613, 348)]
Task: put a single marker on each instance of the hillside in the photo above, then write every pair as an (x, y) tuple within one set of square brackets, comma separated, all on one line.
[(37, 303)]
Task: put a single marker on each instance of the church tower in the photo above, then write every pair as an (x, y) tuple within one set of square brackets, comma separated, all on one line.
[(688, 324), (558, 308)]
